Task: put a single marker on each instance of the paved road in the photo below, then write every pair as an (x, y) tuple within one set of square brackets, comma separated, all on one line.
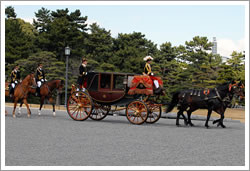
[(46, 141)]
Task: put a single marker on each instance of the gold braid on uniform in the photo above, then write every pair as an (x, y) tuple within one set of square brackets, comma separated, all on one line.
[(148, 68), (13, 73), (40, 74)]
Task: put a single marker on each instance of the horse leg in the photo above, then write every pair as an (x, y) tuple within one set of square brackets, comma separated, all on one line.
[(221, 121), (184, 118), (53, 104), (189, 112), (19, 109), (27, 105), (220, 111), (178, 117), (14, 110), (215, 121), (41, 105), (208, 117)]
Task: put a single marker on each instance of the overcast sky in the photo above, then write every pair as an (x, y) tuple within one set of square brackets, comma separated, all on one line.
[(162, 23)]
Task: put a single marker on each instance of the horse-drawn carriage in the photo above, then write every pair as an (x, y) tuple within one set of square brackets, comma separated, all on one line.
[(124, 90)]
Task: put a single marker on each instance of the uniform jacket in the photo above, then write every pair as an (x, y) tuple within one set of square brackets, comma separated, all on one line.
[(39, 74), (15, 76), (82, 74)]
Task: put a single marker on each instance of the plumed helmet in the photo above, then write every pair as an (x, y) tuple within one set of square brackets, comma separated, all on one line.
[(148, 58)]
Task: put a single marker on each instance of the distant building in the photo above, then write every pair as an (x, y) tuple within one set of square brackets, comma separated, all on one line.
[(214, 48)]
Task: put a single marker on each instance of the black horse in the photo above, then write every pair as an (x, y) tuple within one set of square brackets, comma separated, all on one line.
[(216, 99)]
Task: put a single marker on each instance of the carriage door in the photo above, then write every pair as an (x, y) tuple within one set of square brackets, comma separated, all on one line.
[(105, 93), (118, 87)]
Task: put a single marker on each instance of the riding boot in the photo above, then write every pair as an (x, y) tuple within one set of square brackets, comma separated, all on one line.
[(11, 91), (38, 91)]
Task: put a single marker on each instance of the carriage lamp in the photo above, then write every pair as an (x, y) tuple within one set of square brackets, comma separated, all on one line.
[(67, 53)]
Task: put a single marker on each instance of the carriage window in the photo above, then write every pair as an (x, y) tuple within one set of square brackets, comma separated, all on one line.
[(94, 85), (105, 81), (118, 81)]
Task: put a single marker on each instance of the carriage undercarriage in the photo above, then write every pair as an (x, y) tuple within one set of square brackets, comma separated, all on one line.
[(80, 107)]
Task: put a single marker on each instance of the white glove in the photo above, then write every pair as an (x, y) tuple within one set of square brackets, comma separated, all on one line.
[(42, 80), (86, 73), (16, 82), (45, 79), (152, 73)]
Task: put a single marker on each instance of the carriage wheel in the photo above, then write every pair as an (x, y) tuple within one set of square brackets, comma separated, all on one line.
[(154, 113), (79, 106), (137, 112), (99, 112)]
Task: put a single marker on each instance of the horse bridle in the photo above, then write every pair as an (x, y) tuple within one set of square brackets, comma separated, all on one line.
[(28, 85), (227, 98)]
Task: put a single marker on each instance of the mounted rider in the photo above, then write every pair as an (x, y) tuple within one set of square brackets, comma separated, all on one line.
[(40, 78), (82, 73), (148, 71), (15, 79)]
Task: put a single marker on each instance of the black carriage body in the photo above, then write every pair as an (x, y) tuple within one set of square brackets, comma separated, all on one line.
[(109, 88)]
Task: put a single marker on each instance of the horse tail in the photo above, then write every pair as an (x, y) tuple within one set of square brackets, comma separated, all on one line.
[(173, 103)]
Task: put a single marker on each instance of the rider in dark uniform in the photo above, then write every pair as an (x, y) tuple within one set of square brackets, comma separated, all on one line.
[(82, 72), (15, 79), (40, 78)]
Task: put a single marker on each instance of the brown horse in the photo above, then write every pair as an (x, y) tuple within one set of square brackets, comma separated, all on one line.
[(46, 91), (21, 92)]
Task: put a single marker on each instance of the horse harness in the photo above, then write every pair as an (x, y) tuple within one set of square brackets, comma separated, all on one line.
[(206, 92)]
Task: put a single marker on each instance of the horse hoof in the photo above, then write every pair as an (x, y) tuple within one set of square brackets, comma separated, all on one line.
[(29, 116), (39, 112), (54, 113), (207, 126), (14, 116), (223, 126)]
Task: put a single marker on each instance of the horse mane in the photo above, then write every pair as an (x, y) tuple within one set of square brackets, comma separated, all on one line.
[(223, 86), (27, 76)]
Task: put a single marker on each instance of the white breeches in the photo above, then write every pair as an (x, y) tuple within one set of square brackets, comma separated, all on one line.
[(39, 83), (156, 83), (13, 85)]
